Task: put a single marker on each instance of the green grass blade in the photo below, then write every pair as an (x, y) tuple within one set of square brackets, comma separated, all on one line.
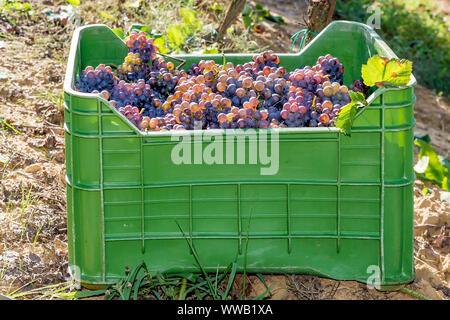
[(157, 295), (230, 280), (137, 285), (226, 271), (216, 283), (38, 290), (55, 292), (260, 277), (87, 294), (244, 278), (110, 296), (415, 294), (25, 285), (194, 252), (147, 273), (183, 288), (197, 294), (192, 277), (261, 296), (162, 283), (130, 280), (280, 296), (195, 287), (10, 126)]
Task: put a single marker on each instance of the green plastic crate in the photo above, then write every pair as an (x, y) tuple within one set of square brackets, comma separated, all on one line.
[(337, 205)]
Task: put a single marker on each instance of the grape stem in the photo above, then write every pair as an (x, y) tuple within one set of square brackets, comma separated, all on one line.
[(177, 59)]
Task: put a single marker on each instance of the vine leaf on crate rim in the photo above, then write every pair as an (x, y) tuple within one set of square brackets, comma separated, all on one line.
[(345, 119), (380, 71), (347, 114), (119, 32), (358, 98)]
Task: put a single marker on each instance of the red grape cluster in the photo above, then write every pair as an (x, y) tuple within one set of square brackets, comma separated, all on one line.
[(257, 94), (359, 86), (331, 67), (132, 114), (133, 68), (96, 80), (145, 47)]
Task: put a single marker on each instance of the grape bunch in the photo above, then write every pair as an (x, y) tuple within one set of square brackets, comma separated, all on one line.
[(155, 96), (247, 117), (96, 80), (359, 86), (140, 51), (139, 44), (144, 85), (133, 68), (229, 97), (132, 114), (139, 95), (194, 104), (163, 78), (330, 99), (331, 67)]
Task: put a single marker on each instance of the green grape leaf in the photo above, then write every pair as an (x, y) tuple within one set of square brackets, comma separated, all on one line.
[(430, 166), (380, 71), (146, 29), (149, 32), (357, 97), (160, 43), (210, 50), (345, 119), (190, 17), (247, 21), (119, 32), (372, 72), (398, 72), (347, 114), (176, 35)]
